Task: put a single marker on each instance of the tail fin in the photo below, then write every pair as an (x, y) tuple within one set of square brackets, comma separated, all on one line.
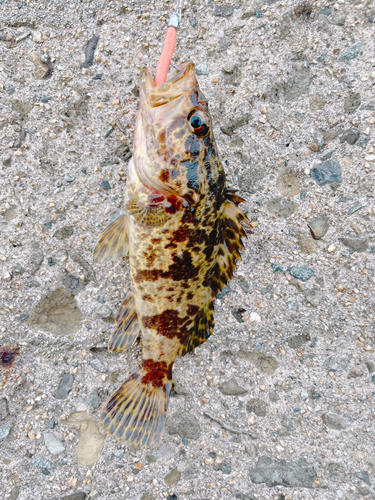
[(136, 412)]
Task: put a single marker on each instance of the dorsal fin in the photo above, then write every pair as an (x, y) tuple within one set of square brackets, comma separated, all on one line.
[(221, 271), (113, 242), (127, 328)]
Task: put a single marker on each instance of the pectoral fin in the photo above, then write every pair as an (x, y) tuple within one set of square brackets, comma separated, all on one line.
[(113, 242)]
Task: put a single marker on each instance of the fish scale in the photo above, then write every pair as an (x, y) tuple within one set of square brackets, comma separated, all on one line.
[(182, 232)]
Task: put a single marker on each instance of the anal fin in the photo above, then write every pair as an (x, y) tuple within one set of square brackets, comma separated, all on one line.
[(154, 216), (202, 329), (127, 328), (113, 242)]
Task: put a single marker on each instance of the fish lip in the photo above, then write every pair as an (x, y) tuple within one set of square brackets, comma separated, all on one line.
[(181, 81)]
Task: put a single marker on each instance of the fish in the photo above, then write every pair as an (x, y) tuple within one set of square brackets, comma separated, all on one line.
[(182, 230)]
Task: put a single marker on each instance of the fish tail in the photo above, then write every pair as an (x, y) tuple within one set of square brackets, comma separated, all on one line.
[(136, 411)]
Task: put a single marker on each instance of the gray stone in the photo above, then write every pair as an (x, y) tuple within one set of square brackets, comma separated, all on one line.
[(14, 494), (42, 462), (263, 362), (302, 273), (298, 83), (314, 296), (88, 269), (5, 431), (9, 89), (334, 421), (319, 227), (251, 7), (244, 496), (257, 406), (119, 453), (351, 53), (201, 69), (306, 244), (327, 154), (355, 243), (355, 208), (184, 424), (78, 495), (355, 372), (64, 232), (288, 426), (282, 208), (299, 474), (275, 117), (4, 412), (338, 19), (252, 450), (335, 363), (230, 127), (35, 258), (54, 445), (287, 183), (65, 386), (90, 51), (98, 365), (163, 454), (231, 388), (104, 312), (352, 102), (173, 478), (249, 178), (298, 340), (317, 102), (223, 10), (327, 172), (363, 141), (23, 108), (147, 496), (350, 136), (363, 476), (72, 283), (57, 313), (369, 106), (94, 399)]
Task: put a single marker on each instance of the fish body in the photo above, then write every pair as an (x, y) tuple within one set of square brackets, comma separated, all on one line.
[(182, 232)]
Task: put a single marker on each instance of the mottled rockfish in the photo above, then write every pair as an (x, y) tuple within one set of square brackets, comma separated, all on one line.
[(182, 231)]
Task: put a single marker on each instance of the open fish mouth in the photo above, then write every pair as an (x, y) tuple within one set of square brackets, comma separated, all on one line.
[(181, 81)]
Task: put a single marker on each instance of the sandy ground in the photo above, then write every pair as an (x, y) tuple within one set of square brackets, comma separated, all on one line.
[(279, 402)]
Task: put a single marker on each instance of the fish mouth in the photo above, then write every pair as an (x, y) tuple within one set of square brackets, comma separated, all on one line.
[(181, 81)]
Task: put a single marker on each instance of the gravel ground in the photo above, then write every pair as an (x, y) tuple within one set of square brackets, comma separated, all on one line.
[(279, 402)]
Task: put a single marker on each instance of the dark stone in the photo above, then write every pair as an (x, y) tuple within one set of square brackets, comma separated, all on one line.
[(94, 399), (224, 468), (184, 424), (64, 232), (257, 406), (351, 137), (193, 22), (351, 53), (123, 152), (4, 412), (35, 258), (363, 141), (231, 388), (9, 89), (106, 185), (327, 172), (78, 495), (297, 474), (99, 76), (352, 102), (335, 363), (356, 244), (65, 386), (43, 463), (20, 139), (298, 340), (369, 106), (237, 314), (90, 51), (232, 125)]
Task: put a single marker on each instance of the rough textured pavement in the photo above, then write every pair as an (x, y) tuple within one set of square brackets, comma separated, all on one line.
[(279, 402)]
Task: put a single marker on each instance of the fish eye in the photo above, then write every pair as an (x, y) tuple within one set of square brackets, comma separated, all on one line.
[(198, 122)]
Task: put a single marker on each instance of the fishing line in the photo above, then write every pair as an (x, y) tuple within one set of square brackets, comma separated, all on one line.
[(169, 46)]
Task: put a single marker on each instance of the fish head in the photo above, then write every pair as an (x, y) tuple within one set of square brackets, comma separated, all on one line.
[(174, 147)]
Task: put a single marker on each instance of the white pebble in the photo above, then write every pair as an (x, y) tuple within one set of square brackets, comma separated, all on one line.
[(255, 318)]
